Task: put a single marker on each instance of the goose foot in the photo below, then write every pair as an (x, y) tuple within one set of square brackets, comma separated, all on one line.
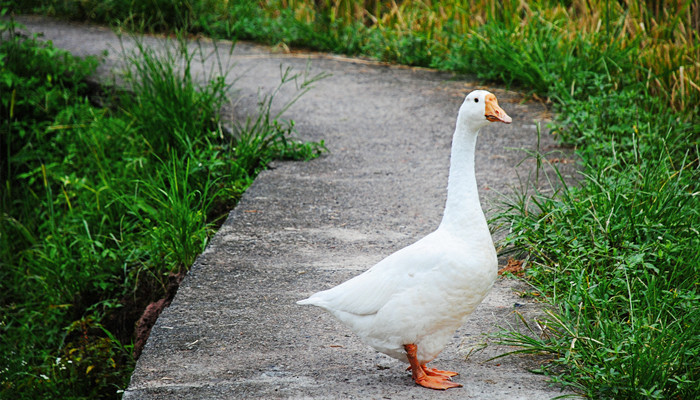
[(438, 372), (435, 372), (428, 377)]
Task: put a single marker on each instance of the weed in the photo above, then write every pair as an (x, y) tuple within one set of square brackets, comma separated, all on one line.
[(170, 99)]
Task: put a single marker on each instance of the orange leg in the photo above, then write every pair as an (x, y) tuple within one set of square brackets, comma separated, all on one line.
[(428, 377)]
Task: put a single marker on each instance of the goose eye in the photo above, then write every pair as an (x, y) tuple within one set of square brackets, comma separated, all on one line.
[(476, 100)]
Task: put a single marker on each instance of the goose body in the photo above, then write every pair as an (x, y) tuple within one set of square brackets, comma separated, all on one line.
[(409, 305)]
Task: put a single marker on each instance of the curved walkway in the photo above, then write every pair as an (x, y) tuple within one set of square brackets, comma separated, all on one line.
[(233, 329)]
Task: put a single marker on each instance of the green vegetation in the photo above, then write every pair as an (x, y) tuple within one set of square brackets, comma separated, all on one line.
[(615, 256), (545, 46), (102, 207)]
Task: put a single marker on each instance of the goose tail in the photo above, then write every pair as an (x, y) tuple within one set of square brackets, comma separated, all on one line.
[(305, 302)]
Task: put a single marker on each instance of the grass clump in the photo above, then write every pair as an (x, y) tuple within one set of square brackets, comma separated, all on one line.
[(102, 207)]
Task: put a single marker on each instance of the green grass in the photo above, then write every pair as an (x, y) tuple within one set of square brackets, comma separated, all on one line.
[(615, 256), (102, 206)]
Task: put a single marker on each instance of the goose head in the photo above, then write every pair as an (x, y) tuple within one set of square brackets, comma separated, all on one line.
[(479, 108)]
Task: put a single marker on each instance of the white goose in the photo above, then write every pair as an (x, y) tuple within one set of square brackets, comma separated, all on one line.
[(409, 305)]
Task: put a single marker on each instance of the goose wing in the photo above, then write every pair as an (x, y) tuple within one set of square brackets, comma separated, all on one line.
[(368, 292)]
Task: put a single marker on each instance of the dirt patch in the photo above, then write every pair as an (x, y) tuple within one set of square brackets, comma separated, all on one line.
[(142, 328)]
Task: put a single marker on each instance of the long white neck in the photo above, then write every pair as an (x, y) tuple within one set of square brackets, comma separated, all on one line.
[(463, 215)]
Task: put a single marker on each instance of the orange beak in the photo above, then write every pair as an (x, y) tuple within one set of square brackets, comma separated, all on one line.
[(495, 113)]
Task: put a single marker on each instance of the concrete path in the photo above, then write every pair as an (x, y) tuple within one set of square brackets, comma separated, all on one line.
[(234, 330)]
